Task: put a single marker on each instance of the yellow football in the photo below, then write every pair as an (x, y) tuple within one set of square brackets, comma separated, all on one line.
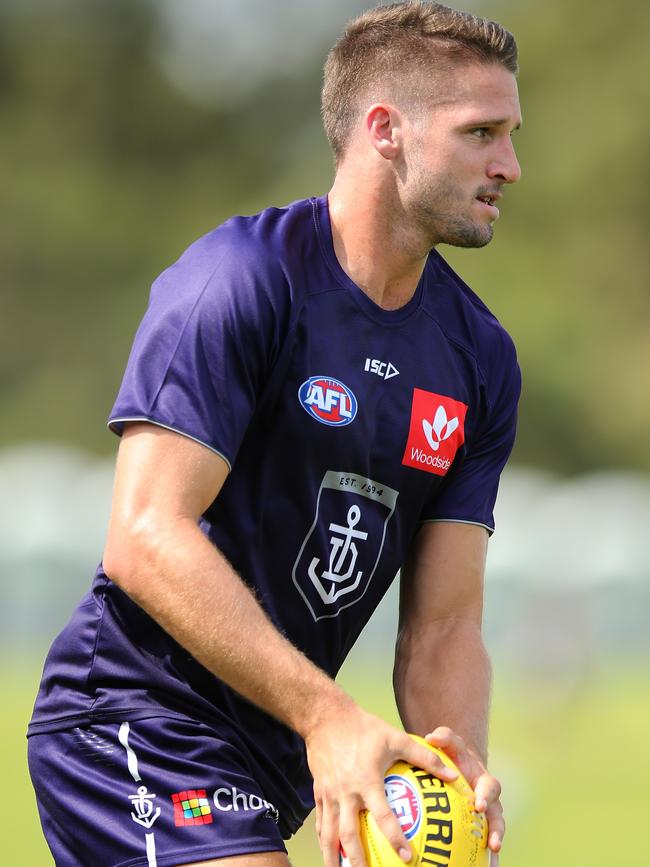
[(437, 818)]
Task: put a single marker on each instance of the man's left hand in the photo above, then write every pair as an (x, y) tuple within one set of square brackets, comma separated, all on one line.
[(487, 789)]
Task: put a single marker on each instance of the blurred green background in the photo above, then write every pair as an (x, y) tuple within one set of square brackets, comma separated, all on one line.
[(130, 127)]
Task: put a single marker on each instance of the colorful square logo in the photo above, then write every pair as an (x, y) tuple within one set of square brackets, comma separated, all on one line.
[(191, 808), (436, 432)]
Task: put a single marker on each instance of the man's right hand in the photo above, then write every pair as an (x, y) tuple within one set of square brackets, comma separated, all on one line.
[(349, 752)]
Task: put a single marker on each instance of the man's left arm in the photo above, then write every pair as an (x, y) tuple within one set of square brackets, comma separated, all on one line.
[(442, 671)]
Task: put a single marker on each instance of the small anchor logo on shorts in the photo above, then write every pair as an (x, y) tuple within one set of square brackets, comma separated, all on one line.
[(142, 804)]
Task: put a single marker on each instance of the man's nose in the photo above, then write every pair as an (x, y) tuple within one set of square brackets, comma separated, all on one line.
[(505, 164)]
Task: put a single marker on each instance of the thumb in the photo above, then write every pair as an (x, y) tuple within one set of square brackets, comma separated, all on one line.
[(420, 754)]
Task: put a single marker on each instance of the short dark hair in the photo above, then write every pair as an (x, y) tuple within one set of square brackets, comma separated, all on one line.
[(403, 43)]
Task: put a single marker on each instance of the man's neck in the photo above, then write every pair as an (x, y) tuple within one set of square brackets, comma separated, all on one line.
[(371, 241)]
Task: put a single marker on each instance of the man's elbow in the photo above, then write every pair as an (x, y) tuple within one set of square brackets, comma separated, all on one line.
[(130, 554)]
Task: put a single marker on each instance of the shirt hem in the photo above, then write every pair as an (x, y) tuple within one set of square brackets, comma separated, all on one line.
[(102, 716), (457, 521)]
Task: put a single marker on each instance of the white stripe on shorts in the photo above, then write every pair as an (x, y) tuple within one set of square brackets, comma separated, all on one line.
[(131, 757), (151, 850), (132, 761)]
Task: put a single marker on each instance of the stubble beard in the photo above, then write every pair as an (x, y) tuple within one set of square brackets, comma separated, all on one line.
[(436, 211)]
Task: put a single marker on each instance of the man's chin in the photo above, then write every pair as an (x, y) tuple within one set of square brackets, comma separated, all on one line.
[(469, 236)]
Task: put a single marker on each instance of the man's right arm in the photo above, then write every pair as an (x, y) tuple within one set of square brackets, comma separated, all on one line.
[(157, 554)]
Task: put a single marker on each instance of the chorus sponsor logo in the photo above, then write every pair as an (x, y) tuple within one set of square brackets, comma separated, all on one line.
[(436, 432), (328, 400), (231, 799), (191, 807)]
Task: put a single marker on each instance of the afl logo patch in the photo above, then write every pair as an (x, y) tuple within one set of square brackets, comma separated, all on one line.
[(404, 802), (328, 401)]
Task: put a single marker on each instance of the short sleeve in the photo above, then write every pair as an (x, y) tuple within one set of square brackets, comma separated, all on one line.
[(204, 347), (469, 491)]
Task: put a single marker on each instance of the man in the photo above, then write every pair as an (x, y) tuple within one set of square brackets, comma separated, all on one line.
[(314, 400)]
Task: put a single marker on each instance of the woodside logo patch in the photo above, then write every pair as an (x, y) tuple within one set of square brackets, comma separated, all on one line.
[(436, 432)]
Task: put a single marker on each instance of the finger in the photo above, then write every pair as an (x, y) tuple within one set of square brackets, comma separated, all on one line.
[(329, 833), (424, 758), (486, 792), (349, 834), (496, 826), (388, 823), (446, 738), (318, 802), (455, 747), (451, 744)]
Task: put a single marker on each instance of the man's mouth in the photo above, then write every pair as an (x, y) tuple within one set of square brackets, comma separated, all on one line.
[(489, 200)]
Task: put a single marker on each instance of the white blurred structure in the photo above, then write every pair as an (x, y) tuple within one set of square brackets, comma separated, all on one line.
[(217, 53), (568, 574)]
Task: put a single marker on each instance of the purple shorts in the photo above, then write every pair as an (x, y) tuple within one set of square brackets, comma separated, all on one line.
[(154, 792)]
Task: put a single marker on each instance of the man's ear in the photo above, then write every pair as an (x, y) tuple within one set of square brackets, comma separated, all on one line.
[(384, 130)]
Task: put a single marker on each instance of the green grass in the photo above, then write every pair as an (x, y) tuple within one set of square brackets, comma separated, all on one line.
[(21, 839), (573, 761)]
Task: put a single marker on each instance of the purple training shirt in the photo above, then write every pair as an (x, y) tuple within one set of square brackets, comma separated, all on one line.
[(344, 425)]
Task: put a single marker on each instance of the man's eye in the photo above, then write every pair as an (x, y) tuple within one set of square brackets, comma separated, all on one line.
[(480, 132)]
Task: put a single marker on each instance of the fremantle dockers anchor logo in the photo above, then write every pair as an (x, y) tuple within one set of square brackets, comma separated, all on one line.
[(342, 548), (343, 559), (142, 804)]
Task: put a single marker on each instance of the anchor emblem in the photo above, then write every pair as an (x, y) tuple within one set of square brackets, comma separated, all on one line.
[(343, 553), (142, 803), (343, 546)]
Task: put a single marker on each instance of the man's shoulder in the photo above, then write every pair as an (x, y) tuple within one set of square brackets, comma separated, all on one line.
[(260, 241), (246, 261), (464, 316)]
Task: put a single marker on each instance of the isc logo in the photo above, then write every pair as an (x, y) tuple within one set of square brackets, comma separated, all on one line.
[(328, 400), (385, 369)]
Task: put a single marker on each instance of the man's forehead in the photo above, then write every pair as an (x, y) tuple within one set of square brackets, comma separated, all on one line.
[(482, 89), (477, 88)]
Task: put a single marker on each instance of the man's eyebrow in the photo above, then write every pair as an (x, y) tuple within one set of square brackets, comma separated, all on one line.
[(502, 121)]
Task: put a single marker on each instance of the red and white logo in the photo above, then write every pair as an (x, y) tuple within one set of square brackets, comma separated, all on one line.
[(404, 802), (436, 433)]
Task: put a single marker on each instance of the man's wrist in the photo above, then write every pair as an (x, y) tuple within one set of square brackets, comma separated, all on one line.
[(328, 705)]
